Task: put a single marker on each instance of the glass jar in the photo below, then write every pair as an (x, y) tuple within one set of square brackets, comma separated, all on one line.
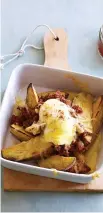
[(100, 42)]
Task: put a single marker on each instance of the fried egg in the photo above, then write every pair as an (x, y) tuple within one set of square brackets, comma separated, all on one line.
[(60, 125)]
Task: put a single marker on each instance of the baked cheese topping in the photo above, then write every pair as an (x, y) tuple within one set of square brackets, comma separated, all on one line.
[(60, 125)]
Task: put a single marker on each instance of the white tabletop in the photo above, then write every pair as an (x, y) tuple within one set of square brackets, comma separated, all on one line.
[(82, 20)]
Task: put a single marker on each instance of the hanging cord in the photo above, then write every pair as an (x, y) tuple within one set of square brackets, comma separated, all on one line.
[(23, 47)]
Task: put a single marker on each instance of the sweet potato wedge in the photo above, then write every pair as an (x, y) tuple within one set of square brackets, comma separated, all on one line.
[(35, 128), (85, 101), (35, 148), (91, 155), (31, 97), (97, 115), (58, 162), (20, 133)]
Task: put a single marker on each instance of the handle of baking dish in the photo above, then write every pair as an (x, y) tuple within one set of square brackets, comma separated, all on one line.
[(56, 49)]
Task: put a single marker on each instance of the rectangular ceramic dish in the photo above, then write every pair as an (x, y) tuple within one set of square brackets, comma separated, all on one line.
[(44, 79)]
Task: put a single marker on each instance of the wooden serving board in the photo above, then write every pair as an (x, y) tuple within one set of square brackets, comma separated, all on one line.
[(20, 181), (55, 56)]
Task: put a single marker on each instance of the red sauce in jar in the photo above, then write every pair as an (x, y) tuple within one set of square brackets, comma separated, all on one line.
[(100, 42)]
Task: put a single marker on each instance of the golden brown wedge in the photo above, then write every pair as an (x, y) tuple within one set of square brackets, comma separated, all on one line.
[(31, 97), (58, 162), (20, 133), (91, 156), (35, 128), (85, 101), (97, 115), (32, 149)]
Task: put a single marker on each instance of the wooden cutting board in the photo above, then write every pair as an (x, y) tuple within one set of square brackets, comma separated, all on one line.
[(56, 51), (20, 181)]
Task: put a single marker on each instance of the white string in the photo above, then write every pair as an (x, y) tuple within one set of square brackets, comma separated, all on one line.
[(23, 47)]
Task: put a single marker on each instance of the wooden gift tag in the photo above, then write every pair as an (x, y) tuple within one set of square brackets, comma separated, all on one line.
[(56, 52)]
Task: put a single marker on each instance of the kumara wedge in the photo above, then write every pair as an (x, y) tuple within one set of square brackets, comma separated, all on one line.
[(31, 97), (85, 101), (32, 149), (58, 162), (97, 115), (20, 133)]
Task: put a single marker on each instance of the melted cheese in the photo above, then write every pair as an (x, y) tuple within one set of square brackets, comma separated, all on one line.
[(60, 125)]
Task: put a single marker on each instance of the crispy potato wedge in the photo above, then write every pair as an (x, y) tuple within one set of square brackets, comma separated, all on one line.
[(58, 162), (97, 115), (92, 154), (20, 133), (31, 97), (85, 101), (35, 128), (35, 148)]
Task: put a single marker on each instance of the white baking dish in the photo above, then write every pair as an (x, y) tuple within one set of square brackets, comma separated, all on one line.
[(44, 79)]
